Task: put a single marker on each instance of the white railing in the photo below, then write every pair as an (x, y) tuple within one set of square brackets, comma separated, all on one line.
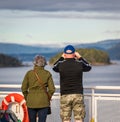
[(97, 99), (103, 93)]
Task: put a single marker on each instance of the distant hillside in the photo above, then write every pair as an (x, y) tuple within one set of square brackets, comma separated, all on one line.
[(111, 46), (8, 61), (27, 52), (11, 48), (30, 57), (114, 52), (102, 45)]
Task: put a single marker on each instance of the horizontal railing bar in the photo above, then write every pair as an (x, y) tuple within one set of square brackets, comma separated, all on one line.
[(8, 92), (107, 95), (10, 86), (58, 94), (17, 86), (58, 87), (107, 87)]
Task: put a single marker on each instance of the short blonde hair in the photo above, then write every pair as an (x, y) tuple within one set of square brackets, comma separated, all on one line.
[(39, 60)]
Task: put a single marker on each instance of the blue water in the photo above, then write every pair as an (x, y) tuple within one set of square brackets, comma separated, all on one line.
[(108, 75)]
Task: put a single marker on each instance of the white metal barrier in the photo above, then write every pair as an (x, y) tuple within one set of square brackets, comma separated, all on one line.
[(102, 102)]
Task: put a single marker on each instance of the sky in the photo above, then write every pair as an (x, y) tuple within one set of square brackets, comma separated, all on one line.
[(59, 21)]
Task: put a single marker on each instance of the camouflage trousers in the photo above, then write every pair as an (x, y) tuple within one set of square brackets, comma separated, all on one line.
[(72, 102)]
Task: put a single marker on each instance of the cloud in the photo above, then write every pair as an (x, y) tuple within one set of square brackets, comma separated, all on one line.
[(59, 14), (88, 9), (29, 36), (116, 32), (109, 6)]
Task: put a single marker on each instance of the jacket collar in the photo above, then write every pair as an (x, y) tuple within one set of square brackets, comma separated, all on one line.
[(38, 67)]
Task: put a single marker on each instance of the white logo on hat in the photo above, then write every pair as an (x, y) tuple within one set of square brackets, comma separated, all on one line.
[(68, 51)]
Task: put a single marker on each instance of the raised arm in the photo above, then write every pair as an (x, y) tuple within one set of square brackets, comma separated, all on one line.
[(86, 66)]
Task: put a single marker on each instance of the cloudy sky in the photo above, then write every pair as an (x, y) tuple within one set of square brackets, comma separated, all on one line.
[(59, 21)]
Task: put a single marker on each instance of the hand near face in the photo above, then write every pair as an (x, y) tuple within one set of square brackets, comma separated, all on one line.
[(77, 55)]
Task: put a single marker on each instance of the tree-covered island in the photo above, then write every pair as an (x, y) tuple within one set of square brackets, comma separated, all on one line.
[(93, 56), (9, 61)]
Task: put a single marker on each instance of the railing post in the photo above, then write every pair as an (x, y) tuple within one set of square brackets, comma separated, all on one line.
[(93, 106)]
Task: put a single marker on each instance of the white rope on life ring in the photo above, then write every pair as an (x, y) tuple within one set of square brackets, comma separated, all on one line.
[(19, 101)]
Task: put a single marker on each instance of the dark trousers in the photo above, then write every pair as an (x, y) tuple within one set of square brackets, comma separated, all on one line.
[(40, 112)]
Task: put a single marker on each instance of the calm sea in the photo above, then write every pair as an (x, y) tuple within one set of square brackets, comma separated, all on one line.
[(108, 75)]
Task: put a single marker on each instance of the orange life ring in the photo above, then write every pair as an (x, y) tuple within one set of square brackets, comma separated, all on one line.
[(19, 100)]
